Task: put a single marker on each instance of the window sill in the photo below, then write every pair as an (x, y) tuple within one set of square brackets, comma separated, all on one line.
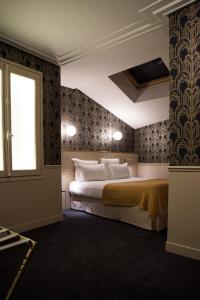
[(21, 178)]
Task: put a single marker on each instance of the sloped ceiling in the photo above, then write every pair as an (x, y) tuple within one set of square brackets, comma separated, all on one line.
[(92, 40)]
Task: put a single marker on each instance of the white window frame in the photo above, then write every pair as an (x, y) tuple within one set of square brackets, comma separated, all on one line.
[(7, 68), (2, 67)]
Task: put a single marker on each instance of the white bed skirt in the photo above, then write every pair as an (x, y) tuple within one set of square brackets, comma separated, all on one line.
[(131, 215)]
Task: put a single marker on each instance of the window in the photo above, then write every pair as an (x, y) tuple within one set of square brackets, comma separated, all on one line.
[(150, 73), (1, 124), (20, 120)]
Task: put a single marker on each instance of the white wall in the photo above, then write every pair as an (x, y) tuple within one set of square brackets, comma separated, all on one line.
[(29, 204), (184, 212), (153, 170)]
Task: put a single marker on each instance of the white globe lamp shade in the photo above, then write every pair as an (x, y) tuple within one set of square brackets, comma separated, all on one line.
[(70, 130), (117, 135)]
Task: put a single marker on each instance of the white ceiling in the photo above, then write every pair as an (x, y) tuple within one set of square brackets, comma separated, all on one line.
[(93, 39)]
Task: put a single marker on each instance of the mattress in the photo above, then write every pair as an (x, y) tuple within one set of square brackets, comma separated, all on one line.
[(94, 189), (86, 196)]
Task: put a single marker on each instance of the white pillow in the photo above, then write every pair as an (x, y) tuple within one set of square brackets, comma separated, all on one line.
[(91, 172), (78, 161), (118, 171), (108, 161), (84, 162)]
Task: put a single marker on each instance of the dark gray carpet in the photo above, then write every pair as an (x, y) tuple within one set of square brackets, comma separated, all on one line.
[(87, 257)]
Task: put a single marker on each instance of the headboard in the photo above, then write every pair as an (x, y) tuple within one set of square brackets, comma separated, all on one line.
[(68, 166)]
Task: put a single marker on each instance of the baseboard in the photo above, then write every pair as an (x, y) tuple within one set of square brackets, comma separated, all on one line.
[(183, 250), (37, 223)]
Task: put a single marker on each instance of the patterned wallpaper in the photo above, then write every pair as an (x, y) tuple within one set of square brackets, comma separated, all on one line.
[(94, 124), (51, 98), (152, 143), (185, 86)]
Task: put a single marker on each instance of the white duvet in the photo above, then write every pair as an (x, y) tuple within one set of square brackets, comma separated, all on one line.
[(94, 189)]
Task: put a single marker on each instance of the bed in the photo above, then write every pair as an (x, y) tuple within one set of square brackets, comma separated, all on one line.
[(88, 196)]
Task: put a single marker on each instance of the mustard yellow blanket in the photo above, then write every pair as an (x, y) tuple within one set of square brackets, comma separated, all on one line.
[(150, 195)]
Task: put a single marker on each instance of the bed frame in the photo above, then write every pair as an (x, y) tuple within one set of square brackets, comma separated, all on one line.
[(132, 215)]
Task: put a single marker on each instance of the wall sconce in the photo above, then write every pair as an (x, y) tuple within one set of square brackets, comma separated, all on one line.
[(70, 130), (117, 135)]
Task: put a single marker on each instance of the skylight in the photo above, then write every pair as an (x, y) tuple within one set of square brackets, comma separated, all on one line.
[(149, 74), (152, 71)]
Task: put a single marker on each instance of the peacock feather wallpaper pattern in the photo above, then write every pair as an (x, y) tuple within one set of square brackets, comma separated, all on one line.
[(94, 125), (185, 86), (152, 143)]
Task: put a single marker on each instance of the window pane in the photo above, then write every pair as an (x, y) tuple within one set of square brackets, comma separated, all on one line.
[(23, 122), (1, 124)]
